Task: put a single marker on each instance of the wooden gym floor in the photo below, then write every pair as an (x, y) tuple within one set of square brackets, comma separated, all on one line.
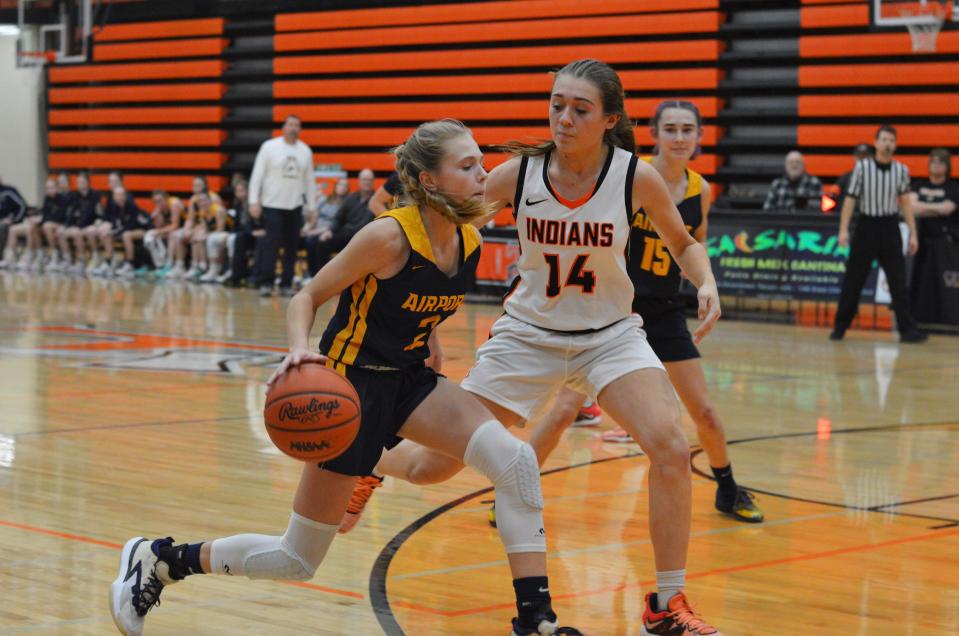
[(135, 409)]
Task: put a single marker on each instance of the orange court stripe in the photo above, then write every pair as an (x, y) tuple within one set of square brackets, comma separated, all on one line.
[(472, 12), (117, 546), (520, 30), (696, 575), (684, 50), (61, 535)]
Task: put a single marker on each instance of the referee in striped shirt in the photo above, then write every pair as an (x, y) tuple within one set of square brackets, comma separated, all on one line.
[(881, 186)]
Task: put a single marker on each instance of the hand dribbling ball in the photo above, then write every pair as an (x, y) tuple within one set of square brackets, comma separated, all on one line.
[(312, 413)]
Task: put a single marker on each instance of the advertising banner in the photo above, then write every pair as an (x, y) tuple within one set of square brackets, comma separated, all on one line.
[(779, 257)]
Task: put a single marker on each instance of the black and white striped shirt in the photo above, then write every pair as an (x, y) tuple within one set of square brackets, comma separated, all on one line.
[(877, 186)]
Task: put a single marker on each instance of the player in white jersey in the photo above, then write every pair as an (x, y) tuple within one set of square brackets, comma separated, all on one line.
[(569, 321)]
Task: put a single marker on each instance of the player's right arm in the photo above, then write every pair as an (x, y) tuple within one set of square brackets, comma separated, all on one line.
[(379, 248), (500, 188)]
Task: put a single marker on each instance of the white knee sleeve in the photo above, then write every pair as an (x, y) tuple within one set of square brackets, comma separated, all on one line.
[(292, 557), (511, 465)]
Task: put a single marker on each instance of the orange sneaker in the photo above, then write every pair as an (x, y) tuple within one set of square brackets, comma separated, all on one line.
[(589, 414), (679, 620), (362, 492)]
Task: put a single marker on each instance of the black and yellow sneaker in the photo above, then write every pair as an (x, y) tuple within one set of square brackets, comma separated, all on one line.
[(491, 515), (742, 507)]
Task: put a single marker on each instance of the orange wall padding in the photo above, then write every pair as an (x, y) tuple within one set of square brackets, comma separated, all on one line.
[(890, 104), (139, 71), (517, 31), (146, 93), (906, 134), (136, 138), (870, 44), (835, 165), (150, 182), (835, 16), (473, 12), (678, 51), (143, 115), (637, 108), (200, 47), (159, 30), (912, 74), (127, 160), (676, 79)]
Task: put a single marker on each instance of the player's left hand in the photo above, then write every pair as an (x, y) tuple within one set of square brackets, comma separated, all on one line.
[(709, 311), (913, 245)]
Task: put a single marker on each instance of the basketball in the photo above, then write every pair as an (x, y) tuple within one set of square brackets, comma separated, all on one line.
[(312, 413)]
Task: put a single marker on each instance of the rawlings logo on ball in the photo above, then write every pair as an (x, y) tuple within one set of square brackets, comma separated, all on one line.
[(309, 413)]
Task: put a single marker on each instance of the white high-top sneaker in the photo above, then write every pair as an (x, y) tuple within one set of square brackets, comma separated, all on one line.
[(224, 277), (125, 271), (137, 588), (211, 274), (9, 259), (177, 271)]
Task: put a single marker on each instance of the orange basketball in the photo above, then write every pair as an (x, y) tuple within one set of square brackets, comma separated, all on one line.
[(312, 413)]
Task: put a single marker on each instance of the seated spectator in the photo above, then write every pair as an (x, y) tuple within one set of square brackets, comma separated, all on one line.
[(324, 220), (100, 233), (934, 202), (166, 218), (84, 209), (27, 229), (352, 216), (249, 231), (12, 210), (131, 226), (219, 243), (204, 217), (796, 190), (386, 196), (54, 221)]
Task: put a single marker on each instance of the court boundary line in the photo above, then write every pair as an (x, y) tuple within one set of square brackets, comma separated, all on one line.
[(379, 597)]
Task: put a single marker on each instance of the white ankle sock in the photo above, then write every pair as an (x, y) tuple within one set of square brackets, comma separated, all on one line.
[(668, 584)]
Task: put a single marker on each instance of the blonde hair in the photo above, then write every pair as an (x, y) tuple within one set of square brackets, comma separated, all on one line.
[(423, 152)]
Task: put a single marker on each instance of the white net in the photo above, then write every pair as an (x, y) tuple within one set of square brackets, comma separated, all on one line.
[(924, 29)]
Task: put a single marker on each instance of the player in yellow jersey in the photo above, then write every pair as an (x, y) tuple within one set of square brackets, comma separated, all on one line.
[(398, 278)]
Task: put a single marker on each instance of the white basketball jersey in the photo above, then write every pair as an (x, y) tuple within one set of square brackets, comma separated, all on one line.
[(572, 266)]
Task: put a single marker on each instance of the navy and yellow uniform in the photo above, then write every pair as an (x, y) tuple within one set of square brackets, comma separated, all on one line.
[(378, 337), (656, 278)]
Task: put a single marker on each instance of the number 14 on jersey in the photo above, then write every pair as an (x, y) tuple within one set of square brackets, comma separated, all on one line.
[(578, 275)]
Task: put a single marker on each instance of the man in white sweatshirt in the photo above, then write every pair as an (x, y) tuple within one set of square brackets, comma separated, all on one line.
[(281, 185)]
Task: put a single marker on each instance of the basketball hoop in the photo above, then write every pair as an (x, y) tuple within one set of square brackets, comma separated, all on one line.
[(35, 59), (924, 26)]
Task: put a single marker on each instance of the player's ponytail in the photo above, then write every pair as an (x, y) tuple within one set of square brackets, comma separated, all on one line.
[(423, 152), (605, 79)]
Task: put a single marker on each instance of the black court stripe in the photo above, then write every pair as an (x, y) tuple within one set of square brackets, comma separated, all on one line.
[(379, 597)]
